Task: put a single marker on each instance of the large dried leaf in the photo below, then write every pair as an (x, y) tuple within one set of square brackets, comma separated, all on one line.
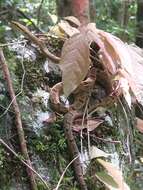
[(115, 174), (74, 62), (129, 60), (139, 125), (124, 60), (136, 55), (75, 56), (124, 88), (107, 53), (118, 58)]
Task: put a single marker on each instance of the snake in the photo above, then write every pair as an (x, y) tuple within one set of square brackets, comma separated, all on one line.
[(87, 90)]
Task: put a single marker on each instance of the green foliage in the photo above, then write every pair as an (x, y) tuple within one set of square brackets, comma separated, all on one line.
[(2, 156), (107, 179), (41, 186), (109, 17), (53, 143)]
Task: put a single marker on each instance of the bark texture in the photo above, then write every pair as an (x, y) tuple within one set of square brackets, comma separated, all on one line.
[(73, 149), (81, 10), (64, 8), (77, 8)]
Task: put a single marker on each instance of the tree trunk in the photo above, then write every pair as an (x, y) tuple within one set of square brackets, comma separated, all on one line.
[(80, 9), (64, 8), (92, 8), (139, 35), (124, 19), (77, 8)]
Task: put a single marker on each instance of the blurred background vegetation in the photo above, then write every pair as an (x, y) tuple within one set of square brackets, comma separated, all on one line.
[(115, 16)]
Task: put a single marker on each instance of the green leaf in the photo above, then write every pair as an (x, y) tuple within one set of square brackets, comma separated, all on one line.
[(106, 179)]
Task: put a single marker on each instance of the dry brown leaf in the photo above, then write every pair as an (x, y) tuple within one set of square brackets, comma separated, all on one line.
[(108, 53), (128, 59), (91, 124), (136, 55), (117, 58), (139, 125), (55, 93), (75, 59), (75, 62), (115, 173), (73, 21)]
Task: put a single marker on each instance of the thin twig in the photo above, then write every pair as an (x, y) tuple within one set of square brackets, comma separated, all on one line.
[(22, 83), (107, 140), (128, 128), (82, 124), (1, 106), (39, 12), (61, 178), (18, 119), (102, 139), (88, 135), (95, 58), (17, 156), (3, 12), (24, 15), (36, 41)]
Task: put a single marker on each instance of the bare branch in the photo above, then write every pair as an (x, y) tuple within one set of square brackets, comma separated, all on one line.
[(22, 83), (35, 40), (39, 11), (18, 119)]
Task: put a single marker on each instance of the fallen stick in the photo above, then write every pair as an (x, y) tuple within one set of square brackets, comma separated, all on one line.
[(19, 127)]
